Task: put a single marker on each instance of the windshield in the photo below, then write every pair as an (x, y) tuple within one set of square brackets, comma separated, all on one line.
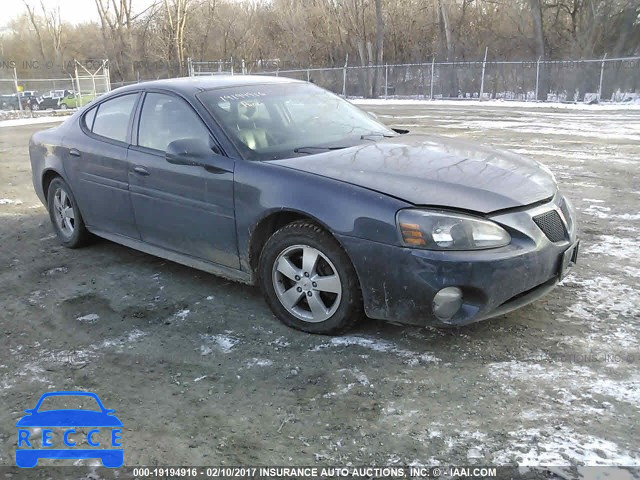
[(268, 122)]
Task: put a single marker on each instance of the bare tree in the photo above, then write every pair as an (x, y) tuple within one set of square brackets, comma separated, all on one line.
[(35, 24), (447, 47), (54, 27), (116, 24), (539, 39), (176, 18), (379, 48), (302, 33)]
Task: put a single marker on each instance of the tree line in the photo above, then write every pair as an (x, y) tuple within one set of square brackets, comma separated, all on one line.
[(155, 41)]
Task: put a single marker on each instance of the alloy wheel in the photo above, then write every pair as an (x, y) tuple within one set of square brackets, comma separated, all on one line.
[(306, 283), (64, 214)]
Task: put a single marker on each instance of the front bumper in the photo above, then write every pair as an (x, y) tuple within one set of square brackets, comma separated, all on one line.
[(399, 283)]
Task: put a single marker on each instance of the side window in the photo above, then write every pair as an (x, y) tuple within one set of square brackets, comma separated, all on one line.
[(166, 118), (88, 118), (112, 118)]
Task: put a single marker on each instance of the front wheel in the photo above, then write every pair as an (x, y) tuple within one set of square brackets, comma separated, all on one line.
[(65, 215), (309, 281)]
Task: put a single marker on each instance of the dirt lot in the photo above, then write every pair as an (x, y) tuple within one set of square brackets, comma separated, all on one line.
[(200, 372)]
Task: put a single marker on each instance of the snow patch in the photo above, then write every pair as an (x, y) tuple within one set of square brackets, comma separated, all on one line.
[(259, 362), (572, 386), (55, 271), (561, 447), (600, 298), (30, 121), (599, 211), (412, 358), (482, 105), (222, 342), (8, 201), (119, 342), (621, 247), (89, 318)]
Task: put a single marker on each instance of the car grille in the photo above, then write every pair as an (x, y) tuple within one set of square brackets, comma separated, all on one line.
[(551, 225)]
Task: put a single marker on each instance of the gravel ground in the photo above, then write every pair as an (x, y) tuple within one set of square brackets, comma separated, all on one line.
[(200, 372)]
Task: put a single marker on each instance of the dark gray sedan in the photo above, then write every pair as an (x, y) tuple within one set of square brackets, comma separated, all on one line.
[(280, 183)]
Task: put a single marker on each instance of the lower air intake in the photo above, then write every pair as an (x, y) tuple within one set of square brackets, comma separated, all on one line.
[(551, 225)]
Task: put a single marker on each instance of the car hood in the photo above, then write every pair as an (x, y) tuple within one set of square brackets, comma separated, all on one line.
[(437, 171)]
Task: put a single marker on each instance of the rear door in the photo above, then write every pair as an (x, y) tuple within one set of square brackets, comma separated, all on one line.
[(187, 209), (97, 165)]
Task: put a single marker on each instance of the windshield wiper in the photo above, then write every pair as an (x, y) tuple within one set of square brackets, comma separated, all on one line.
[(311, 150), (368, 136)]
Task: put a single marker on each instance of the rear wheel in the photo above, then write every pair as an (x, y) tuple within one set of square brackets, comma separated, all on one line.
[(65, 215), (308, 280)]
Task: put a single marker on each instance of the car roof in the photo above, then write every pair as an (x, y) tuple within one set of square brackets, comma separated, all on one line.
[(192, 85)]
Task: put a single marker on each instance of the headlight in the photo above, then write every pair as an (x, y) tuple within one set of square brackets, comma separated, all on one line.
[(449, 231)]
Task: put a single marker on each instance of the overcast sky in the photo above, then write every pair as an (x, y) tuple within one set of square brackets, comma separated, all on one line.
[(73, 11)]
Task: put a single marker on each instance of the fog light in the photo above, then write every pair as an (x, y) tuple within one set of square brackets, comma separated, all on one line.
[(447, 302)]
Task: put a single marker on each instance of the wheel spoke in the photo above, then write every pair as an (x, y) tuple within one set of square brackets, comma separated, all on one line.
[(323, 293), (309, 260), (68, 225), (318, 309), (68, 213), (63, 198), (291, 297), (56, 203), (288, 269), (330, 283)]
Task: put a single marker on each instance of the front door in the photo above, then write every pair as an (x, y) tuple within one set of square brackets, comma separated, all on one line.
[(187, 209)]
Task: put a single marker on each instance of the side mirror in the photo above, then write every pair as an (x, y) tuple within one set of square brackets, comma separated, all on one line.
[(190, 151)]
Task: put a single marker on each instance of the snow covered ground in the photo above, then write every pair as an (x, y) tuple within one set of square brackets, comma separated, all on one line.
[(16, 122), (468, 103)]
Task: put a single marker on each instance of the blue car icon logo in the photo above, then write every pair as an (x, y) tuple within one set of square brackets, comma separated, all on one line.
[(65, 421)]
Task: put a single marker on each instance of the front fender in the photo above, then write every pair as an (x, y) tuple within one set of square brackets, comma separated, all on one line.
[(344, 209)]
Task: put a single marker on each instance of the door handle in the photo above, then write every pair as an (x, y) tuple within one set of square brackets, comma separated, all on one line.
[(74, 152), (141, 170)]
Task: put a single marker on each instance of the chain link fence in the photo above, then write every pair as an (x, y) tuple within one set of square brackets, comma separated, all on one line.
[(591, 81), (603, 80), (26, 97)]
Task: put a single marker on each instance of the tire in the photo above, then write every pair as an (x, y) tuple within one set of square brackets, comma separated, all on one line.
[(63, 106), (328, 301), (65, 215)]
